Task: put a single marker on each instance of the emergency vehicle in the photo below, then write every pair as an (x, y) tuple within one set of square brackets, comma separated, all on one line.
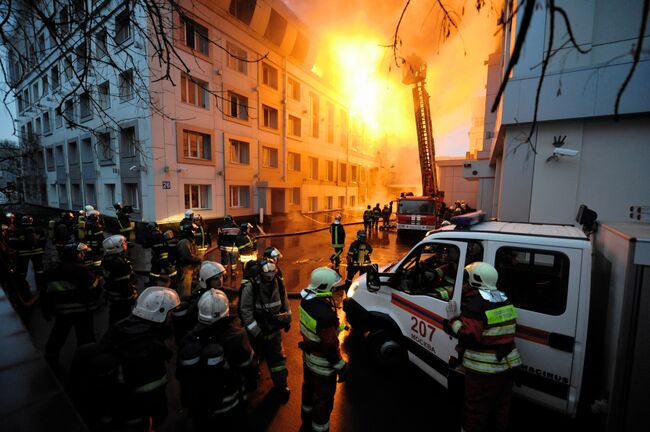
[(416, 213), (546, 272)]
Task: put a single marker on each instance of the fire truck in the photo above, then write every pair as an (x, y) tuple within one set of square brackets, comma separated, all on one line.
[(420, 212)]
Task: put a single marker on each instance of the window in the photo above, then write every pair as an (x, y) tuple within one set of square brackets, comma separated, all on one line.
[(64, 20), (122, 27), (194, 91), (344, 128), (269, 157), (237, 58), (127, 142), (329, 203), (109, 195), (104, 95), (353, 201), (101, 39), (197, 196), (293, 161), (130, 195), (313, 104), (330, 171), (75, 191), (353, 173), (242, 10), (341, 201), (19, 102), (295, 195), (239, 152), (63, 194), (45, 84), (90, 194), (196, 145), (270, 119), (535, 280), (431, 270), (82, 57), (86, 150), (313, 168), (60, 161), (73, 153), (35, 94), (295, 126), (238, 106), (37, 126), (104, 147), (313, 204), (343, 172), (330, 122), (239, 196), (196, 36), (85, 109), (269, 76), (54, 75), (126, 85), (41, 45), (47, 128), (67, 67), (293, 89), (49, 159)]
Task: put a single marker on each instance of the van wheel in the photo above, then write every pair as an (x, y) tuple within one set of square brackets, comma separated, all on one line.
[(387, 348)]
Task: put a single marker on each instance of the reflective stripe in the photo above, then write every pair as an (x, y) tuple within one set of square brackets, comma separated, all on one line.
[(271, 305), (230, 397), (502, 314), (227, 408), (190, 362), (121, 278), (252, 325), (487, 362), (214, 360), (456, 325), (308, 333), (500, 330), (164, 255), (152, 385), (320, 427), (307, 408), (278, 368), (317, 364)]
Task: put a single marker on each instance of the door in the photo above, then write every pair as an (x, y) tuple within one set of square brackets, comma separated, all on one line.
[(278, 201), (424, 283), (544, 285)]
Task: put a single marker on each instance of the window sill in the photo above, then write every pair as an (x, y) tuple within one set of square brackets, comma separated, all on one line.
[(195, 161), (269, 129), (246, 122), (106, 162)]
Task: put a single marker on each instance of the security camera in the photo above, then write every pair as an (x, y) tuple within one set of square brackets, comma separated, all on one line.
[(565, 152), (133, 168)]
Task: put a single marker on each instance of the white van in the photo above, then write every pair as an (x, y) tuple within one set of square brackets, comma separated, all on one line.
[(544, 269)]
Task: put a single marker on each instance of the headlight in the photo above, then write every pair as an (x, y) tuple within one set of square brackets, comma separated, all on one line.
[(353, 288)]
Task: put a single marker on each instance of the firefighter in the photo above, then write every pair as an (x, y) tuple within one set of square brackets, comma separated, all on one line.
[(119, 278), (157, 242), (216, 366), (274, 254), (62, 231), (71, 297), (322, 362), (376, 215), (187, 220), (138, 344), (94, 238), (385, 215), (246, 244), (264, 311), (30, 247), (358, 257), (337, 233), (188, 260), (485, 330), (124, 223), (226, 239), (172, 247), (367, 218), (202, 235)]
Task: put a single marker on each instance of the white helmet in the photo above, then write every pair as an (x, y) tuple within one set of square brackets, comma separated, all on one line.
[(188, 214), (268, 269), (155, 303), (89, 208), (114, 244), (323, 280), (209, 270), (213, 305), (482, 275)]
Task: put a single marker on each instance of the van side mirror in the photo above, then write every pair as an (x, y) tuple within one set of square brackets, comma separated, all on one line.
[(372, 278)]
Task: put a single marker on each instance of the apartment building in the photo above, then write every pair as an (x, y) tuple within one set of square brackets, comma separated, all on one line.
[(241, 125)]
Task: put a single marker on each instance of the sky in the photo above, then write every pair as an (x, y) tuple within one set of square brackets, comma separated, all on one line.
[(6, 125)]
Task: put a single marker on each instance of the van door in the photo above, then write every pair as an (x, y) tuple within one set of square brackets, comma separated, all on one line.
[(544, 284), (426, 280)]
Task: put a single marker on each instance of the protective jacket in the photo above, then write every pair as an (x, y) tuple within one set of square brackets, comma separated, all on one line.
[(486, 333), (125, 226), (359, 253), (31, 242), (367, 215), (227, 237), (119, 279), (337, 232), (203, 239), (94, 238), (264, 306), (187, 253), (71, 288), (376, 213), (319, 326), (246, 244)]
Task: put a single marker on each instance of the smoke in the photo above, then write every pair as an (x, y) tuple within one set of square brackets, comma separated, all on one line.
[(354, 56)]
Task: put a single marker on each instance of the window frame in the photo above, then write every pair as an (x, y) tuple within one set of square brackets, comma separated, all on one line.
[(199, 42), (270, 115), (203, 193), (269, 76), (268, 157), (234, 102), (238, 204), (237, 161), (199, 90)]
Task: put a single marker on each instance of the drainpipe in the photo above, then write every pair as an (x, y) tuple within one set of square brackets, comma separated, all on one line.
[(285, 120)]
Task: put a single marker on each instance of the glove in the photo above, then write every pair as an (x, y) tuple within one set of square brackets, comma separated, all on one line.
[(343, 374), (452, 310)]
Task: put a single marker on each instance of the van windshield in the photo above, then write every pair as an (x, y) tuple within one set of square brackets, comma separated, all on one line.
[(414, 207)]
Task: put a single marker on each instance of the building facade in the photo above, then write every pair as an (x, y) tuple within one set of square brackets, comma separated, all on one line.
[(236, 123)]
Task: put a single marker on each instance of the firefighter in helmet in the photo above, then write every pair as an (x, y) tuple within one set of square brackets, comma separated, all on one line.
[(30, 247), (337, 234), (246, 244), (188, 260), (119, 278), (358, 257)]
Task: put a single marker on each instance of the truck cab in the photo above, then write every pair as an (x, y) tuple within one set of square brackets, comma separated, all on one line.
[(416, 213), (543, 269)]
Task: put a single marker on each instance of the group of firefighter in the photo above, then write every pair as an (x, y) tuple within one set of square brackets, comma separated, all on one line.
[(371, 217)]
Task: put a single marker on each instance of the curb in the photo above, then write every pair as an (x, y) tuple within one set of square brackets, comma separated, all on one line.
[(302, 232)]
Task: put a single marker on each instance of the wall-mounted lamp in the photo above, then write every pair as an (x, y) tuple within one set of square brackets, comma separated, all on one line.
[(219, 173)]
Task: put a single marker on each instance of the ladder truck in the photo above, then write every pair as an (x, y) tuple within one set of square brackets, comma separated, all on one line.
[(419, 213)]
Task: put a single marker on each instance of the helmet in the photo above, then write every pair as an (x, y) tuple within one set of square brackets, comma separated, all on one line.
[(189, 213), (377, 204), (245, 227), (324, 280), (67, 216), (114, 244), (10, 216), (209, 270), (152, 226), (89, 208), (213, 305), (338, 217), (74, 252), (117, 205), (92, 215), (482, 275), (368, 206), (155, 303), (169, 234), (228, 219), (197, 217), (273, 253), (268, 269), (26, 220), (361, 234)]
